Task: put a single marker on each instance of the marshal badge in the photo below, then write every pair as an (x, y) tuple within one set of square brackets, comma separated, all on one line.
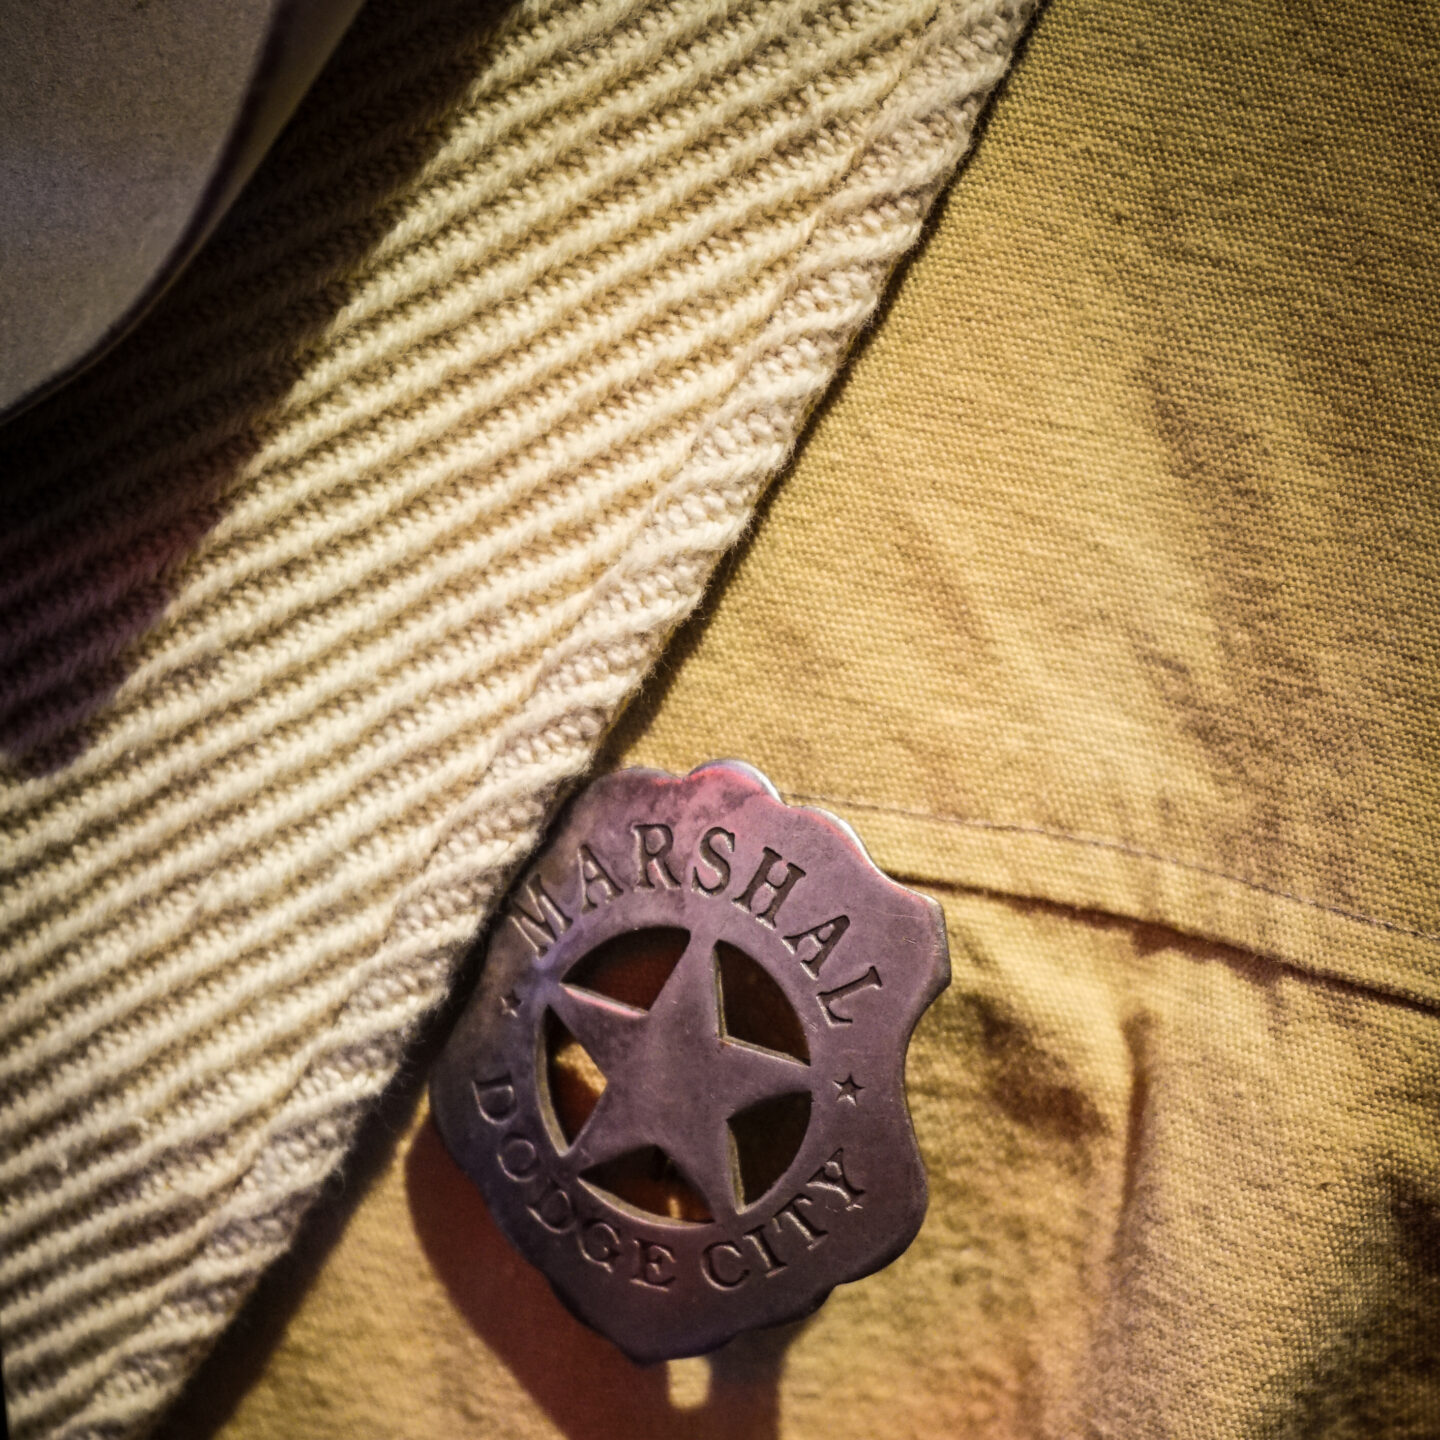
[(680, 1084)]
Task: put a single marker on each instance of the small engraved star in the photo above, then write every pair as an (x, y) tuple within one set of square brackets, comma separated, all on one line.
[(849, 1089), (509, 1002)]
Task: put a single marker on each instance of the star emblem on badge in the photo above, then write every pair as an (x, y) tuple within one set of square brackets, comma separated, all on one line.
[(674, 1079)]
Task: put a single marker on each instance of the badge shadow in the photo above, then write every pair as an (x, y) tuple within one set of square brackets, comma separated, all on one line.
[(586, 1386)]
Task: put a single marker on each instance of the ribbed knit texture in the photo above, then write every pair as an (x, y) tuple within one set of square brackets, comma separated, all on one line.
[(318, 594)]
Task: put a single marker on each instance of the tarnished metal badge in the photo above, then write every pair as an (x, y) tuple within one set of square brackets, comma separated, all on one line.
[(680, 1085)]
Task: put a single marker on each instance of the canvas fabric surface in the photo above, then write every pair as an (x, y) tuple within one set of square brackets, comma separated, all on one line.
[(1102, 600), (318, 593)]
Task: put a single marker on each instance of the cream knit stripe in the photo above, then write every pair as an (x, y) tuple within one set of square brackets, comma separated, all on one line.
[(477, 168), (129, 1378), (94, 1324), (142, 767), (657, 194), (602, 432), (140, 882), (182, 1235), (229, 938), (202, 1005), (673, 349), (224, 1100), (328, 955), (54, 1359), (481, 778), (654, 170), (294, 1012), (415, 607), (662, 300), (672, 340), (172, 1235), (161, 921), (86, 969), (374, 1024), (66, 926), (331, 699), (512, 63), (157, 1206), (782, 184), (228, 637), (207, 1003)]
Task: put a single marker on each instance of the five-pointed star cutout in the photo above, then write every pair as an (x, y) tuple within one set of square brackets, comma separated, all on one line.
[(849, 1089), (672, 1078)]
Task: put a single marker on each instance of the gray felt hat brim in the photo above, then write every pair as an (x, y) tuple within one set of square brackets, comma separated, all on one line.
[(125, 133)]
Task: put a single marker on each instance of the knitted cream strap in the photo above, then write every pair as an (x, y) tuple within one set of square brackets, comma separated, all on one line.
[(318, 593)]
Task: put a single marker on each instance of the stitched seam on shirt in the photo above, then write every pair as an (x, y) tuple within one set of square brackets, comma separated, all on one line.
[(1120, 847)]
